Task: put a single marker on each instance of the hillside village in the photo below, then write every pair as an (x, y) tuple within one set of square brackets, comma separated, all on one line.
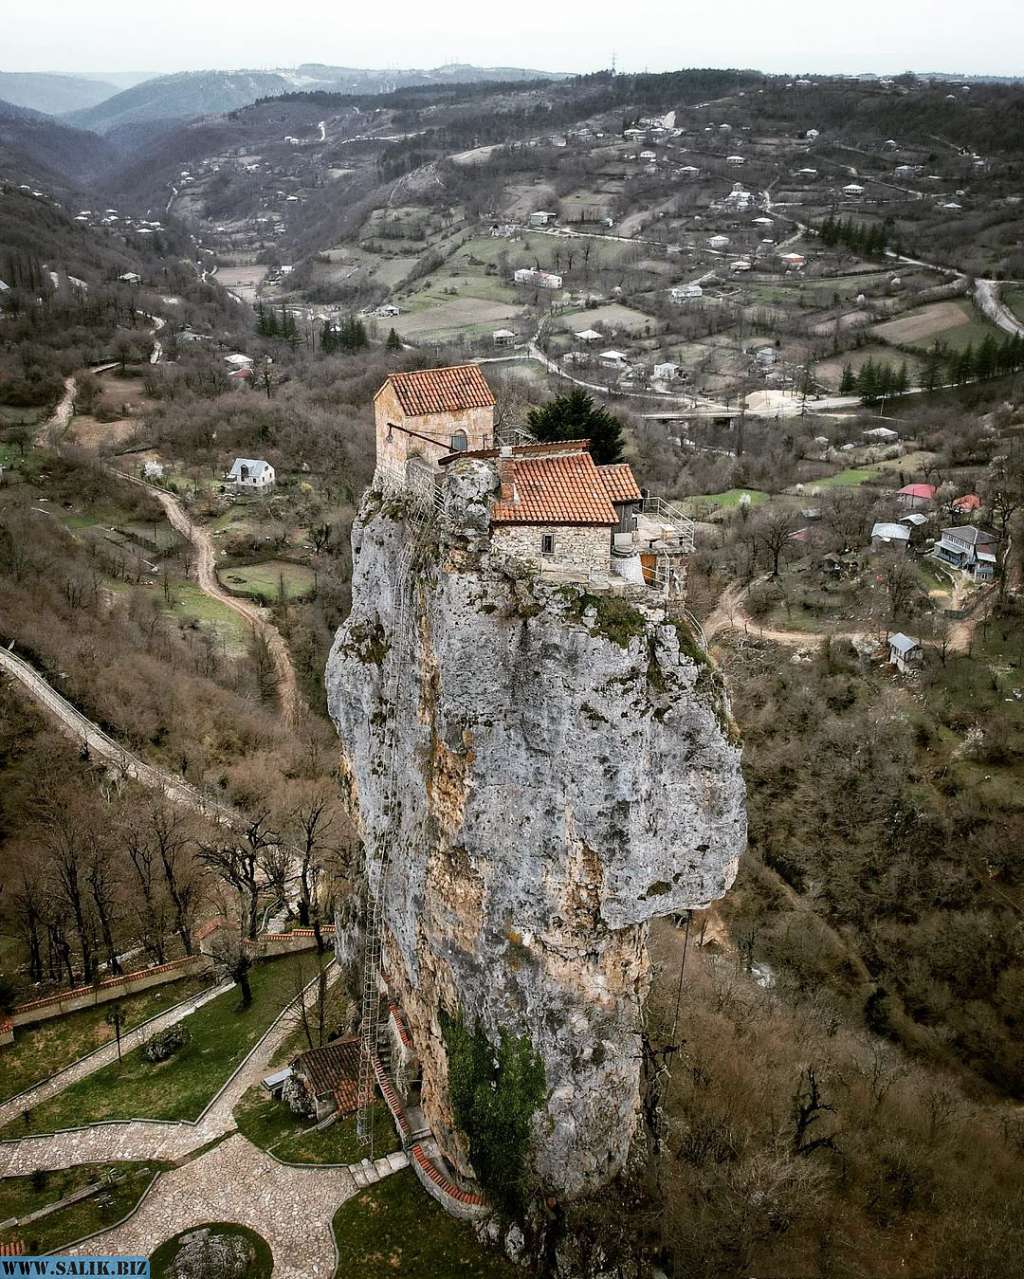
[(693, 403)]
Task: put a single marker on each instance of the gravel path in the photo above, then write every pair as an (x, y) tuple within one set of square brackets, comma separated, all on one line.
[(103, 1056)]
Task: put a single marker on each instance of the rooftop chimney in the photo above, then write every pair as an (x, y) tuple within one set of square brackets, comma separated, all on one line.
[(506, 474)]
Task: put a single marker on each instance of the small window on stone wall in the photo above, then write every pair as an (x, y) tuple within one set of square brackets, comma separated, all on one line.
[(547, 544), (459, 442)]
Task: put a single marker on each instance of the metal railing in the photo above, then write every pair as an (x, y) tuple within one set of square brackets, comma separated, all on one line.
[(678, 520)]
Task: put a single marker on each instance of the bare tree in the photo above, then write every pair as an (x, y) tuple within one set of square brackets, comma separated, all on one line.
[(240, 864), (772, 531)]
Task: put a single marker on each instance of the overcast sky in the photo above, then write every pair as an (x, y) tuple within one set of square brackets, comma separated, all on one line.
[(984, 36)]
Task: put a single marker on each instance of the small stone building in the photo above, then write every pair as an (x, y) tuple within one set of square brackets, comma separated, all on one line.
[(325, 1079), (424, 415)]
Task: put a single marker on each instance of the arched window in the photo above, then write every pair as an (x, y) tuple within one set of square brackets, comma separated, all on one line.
[(459, 442)]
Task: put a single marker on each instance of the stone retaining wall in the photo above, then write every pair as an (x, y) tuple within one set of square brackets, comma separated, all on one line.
[(73, 1001)]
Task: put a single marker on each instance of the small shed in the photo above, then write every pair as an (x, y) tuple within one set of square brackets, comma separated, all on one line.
[(904, 652), (325, 1079)]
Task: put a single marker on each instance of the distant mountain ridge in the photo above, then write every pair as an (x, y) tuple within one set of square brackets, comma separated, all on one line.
[(190, 94), (53, 94), (38, 149)]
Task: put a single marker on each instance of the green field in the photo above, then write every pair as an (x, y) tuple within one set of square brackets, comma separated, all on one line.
[(20, 1196), (190, 603), (40, 1050), (723, 501), (273, 1127), (266, 581), (847, 479), (1014, 299), (394, 1228), (222, 1033)]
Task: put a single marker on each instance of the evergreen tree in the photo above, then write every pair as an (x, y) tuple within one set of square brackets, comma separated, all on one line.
[(394, 342), (575, 416), (867, 382), (848, 383)]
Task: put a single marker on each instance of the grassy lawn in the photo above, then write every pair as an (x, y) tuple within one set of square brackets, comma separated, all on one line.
[(179, 1088), (265, 580), (847, 479), (1014, 299), (271, 1125), (395, 1228), (724, 501), (39, 1051), (20, 1196), (191, 603), (261, 1261)]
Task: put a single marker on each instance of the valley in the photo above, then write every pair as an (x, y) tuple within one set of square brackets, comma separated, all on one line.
[(664, 874)]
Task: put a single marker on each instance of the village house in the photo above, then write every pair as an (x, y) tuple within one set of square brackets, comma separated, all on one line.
[(503, 337), (587, 335), (540, 279), (251, 475), (886, 536), (969, 548), (130, 278), (912, 496), (966, 505), (324, 1080), (686, 292), (614, 360), (904, 652), (880, 435), (541, 218)]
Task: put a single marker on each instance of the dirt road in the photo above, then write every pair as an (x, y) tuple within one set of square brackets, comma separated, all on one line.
[(206, 577), (57, 423), (730, 614)]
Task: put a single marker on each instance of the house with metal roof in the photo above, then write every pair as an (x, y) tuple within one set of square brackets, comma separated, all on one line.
[(251, 473), (887, 536), (971, 548), (904, 652)]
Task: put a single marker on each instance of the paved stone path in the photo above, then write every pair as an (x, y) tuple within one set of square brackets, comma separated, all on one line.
[(291, 1207), (103, 1056), (150, 1138)]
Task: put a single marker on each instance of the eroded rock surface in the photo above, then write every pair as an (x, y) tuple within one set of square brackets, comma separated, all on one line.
[(566, 773)]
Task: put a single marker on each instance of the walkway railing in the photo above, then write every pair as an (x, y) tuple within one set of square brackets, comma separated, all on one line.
[(680, 522)]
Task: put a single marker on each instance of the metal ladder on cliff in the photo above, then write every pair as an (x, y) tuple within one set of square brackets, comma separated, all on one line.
[(424, 510)]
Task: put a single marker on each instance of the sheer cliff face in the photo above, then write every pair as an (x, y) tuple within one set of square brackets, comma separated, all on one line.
[(565, 775)]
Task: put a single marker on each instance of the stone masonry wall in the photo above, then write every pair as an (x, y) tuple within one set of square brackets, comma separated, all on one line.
[(478, 424), (576, 546)]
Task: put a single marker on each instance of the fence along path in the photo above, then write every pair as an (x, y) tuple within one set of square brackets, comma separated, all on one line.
[(101, 744)]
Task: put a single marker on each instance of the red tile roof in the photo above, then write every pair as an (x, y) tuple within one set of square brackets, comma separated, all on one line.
[(441, 390), (328, 1068), (969, 502), (555, 490), (918, 490), (619, 480)]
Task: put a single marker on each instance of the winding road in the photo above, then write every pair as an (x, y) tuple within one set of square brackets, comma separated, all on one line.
[(206, 578)]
